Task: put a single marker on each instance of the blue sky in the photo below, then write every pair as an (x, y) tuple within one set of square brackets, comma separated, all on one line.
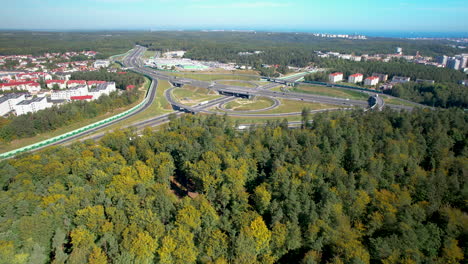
[(335, 15)]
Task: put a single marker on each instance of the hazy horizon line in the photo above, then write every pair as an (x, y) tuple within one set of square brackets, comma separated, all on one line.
[(370, 33)]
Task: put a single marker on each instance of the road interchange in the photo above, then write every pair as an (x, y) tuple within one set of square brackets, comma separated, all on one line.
[(133, 62)]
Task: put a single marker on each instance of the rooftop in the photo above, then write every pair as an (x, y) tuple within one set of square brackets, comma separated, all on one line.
[(356, 75), (33, 100), (336, 74)]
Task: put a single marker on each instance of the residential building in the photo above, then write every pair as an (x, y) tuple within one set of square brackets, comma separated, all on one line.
[(355, 78), (32, 105), (101, 64), (425, 81), (8, 101), (95, 83), (29, 86), (66, 94), (386, 86), (442, 60), (63, 76), (382, 77), (73, 83), (463, 61), (454, 63), (399, 51), (399, 79), (60, 83), (335, 77), (373, 80), (82, 98), (101, 89), (464, 82)]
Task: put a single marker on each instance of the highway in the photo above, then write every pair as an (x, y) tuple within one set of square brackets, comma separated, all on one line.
[(263, 91), (133, 62)]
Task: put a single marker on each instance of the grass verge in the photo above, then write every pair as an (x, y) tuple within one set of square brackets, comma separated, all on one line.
[(249, 104), (191, 95), (238, 83), (329, 91)]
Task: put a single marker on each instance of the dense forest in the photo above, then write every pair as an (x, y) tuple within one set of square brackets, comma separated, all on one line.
[(31, 124), (376, 187), (438, 95), (122, 80), (279, 48)]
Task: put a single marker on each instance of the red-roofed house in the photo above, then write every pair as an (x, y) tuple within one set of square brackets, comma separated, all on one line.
[(44, 75), (73, 83), (81, 98), (91, 53), (24, 76), (335, 77), (130, 87), (355, 78), (122, 73), (373, 80), (29, 86), (61, 84)]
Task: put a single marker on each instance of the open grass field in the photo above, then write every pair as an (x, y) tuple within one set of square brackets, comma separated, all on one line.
[(238, 83), (44, 136), (290, 106), (190, 95), (330, 91), (247, 105), (396, 101), (148, 54)]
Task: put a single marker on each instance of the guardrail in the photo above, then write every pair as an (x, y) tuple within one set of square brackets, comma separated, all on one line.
[(79, 130), (294, 75), (74, 132)]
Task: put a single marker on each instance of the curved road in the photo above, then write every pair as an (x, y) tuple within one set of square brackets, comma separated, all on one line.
[(132, 60), (276, 103)]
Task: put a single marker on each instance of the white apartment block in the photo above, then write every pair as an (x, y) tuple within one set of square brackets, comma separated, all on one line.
[(8, 101), (335, 77), (61, 84), (101, 64), (355, 78), (32, 105), (79, 90), (101, 89), (374, 80)]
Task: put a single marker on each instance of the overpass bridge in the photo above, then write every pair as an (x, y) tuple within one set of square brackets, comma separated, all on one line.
[(290, 80)]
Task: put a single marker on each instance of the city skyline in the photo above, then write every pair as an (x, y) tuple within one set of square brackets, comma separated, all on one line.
[(334, 15)]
